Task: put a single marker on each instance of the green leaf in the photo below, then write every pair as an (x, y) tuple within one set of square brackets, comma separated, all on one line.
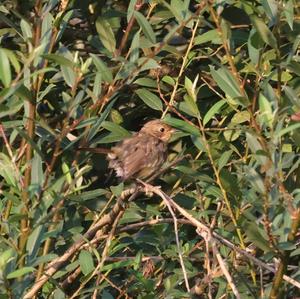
[(24, 93), (21, 272), (191, 105), (227, 83), (37, 174), (13, 60), (106, 34), (88, 195), (149, 98), (97, 86), (231, 135), (190, 88), (116, 129), (102, 68), (44, 259), (117, 190), (7, 170), (254, 44), (241, 117), (24, 135), (264, 32), (256, 148), (59, 59), (289, 13), (66, 172), (117, 265), (131, 9), (95, 128), (292, 96), (26, 29), (182, 125), (224, 159), (146, 82), (110, 138), (146, 27), (69, 75), (5, 257), (213, 111), (289, 129), (209, 36), (271, 9), (179, 9), (266, 116), (256, 235), (135, 48), (34, 241), (86, 262), (5, 71), (147, 64), (294, 67), (198, 142)]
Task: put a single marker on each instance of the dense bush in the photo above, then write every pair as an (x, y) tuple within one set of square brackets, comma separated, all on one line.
[(225, 222)]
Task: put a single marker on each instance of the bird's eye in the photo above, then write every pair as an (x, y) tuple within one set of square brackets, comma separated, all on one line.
[(162, 129)]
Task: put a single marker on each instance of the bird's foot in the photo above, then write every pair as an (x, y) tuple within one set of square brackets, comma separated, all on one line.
[(147, 188)]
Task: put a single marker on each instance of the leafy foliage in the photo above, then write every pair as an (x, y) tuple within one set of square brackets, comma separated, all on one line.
[(86, 73)]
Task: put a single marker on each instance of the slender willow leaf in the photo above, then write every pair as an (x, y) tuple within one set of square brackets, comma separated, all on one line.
[(106, 34), (86, 262), (264, 32), (21, 272), (213, 111), (146, 27), (95, 128), (102, 68), (149, 98), (5, 71)]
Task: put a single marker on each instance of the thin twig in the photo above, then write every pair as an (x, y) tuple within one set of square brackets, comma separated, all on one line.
[(177, 241), (103, 256), (58, 262), (216, 236)]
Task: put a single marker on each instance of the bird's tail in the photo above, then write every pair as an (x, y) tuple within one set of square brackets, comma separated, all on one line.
[(96, 150)]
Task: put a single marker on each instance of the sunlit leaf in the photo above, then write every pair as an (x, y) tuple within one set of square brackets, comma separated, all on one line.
[(5, 71), (264, 32), (149, 98), (102, 68), (213, 111), (21, 272), (146, 27), (106, 34), (86, 262)]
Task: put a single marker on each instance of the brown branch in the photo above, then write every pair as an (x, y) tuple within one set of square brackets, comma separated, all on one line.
[(57, 263), (30, 128), (138, 6), (277, 290), (220, 239)]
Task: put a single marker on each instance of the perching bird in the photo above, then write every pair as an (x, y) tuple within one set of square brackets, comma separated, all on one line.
[(140, 155)]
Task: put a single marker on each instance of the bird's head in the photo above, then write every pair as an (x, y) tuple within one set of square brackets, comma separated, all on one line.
[(158, 129)]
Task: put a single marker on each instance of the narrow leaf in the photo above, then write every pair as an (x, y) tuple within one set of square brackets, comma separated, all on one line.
[(5, 71), (102, 68), (226, 82), (106, 34), (86, 262), (21, 272), (146, 27), (213, 111), (149, 98), (264, 32)]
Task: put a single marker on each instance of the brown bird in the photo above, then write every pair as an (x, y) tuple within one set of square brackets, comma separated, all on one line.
[(140, 155)]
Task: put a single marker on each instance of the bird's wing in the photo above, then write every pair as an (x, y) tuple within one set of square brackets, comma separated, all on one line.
[(138, 155)]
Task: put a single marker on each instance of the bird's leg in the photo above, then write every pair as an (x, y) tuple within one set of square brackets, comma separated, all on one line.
[(147, 187)]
